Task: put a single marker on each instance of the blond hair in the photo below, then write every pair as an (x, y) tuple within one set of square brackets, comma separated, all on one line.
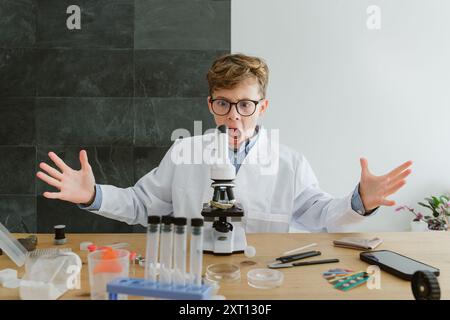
[(231, 69)]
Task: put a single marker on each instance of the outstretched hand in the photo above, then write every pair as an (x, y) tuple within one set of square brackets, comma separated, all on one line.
[(76, 186), (375, 190)]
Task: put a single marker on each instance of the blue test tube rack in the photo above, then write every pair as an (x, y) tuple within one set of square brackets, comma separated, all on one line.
[(148, 288)]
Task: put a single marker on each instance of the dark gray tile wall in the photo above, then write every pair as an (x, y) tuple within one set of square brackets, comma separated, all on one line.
[(181, 24), (17, 23), (18, 72), (85, 73), (17, 121), (84, 121), (117, 88), (18, 212)]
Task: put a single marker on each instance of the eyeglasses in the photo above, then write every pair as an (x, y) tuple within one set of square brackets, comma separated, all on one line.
[(245, 108)]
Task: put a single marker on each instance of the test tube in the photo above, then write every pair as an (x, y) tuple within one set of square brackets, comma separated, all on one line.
[(196, 253), (179, 251), (166, 250), (151, 254), (133, 263)]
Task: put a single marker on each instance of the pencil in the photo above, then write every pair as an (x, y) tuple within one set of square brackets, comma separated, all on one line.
[(299, 249)]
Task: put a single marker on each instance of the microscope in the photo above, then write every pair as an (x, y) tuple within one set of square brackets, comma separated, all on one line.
[(224, 233)]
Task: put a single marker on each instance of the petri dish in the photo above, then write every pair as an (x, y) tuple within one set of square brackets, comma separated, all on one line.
[(264, 278), (223, 272)]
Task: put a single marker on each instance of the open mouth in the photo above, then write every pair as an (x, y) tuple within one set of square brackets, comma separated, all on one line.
[(234, 133)]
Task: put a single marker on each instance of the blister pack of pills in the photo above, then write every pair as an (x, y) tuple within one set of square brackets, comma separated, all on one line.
[(345, 279)]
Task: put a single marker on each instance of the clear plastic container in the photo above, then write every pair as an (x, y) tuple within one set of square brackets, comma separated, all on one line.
[(13, 248), (105, 266), (223, 272), (264, 278), (47, 271), (49, 274)]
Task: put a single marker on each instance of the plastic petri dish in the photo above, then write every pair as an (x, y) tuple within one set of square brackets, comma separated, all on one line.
[(223, 272), (264, 278)]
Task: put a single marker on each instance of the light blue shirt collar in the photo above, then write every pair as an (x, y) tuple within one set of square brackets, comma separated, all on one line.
[(238, 156)]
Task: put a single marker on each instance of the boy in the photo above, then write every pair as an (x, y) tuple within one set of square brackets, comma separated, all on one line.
[(287, 198)]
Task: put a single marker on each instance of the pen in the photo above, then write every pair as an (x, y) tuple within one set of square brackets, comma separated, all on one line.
[(308, 263), (298, 264)]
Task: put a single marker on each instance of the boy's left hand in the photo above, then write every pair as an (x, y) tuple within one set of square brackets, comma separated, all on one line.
[(374, 190)]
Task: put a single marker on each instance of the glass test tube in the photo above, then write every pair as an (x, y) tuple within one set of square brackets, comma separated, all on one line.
[(196, 252), (166, 250), (179, 252), (151, 254)]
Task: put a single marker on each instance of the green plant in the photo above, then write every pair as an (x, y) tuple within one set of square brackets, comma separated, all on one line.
[(440, 210)]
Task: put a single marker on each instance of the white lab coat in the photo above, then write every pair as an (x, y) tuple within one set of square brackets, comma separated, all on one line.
[(275, 185)]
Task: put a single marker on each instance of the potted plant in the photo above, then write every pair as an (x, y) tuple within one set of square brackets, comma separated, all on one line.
[(418, 223), (440, 208), (438, 220)]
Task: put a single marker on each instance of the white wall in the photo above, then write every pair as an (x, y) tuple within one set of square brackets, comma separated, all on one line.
[(339, 91)]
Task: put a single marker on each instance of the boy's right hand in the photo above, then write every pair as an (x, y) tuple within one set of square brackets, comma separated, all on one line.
[(77, 186)]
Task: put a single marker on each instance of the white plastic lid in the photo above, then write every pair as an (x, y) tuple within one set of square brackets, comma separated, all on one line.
[(13, 248)]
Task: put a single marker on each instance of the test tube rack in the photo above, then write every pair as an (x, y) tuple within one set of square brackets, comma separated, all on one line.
[(149, 288)]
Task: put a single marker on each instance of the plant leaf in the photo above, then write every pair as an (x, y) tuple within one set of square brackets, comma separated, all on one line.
[(425, 205), (431, 203)]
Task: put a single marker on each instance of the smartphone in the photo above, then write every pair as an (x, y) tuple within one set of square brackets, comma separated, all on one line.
[(396, 264)]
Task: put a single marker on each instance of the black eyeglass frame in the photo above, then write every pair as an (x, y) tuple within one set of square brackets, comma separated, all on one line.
[(255, 102)]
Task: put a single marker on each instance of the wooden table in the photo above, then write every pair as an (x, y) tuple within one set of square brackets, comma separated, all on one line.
[(299, 282)]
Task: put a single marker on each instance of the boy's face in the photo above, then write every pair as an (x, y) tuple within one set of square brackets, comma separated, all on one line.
[(240, 127)]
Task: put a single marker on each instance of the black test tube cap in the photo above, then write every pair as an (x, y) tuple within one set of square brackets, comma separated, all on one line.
[(154, 219), (197, 222), (180, 221), (167, 219), (60, 236)]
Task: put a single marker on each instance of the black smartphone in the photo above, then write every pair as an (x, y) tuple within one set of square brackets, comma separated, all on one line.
[(396, 264)]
